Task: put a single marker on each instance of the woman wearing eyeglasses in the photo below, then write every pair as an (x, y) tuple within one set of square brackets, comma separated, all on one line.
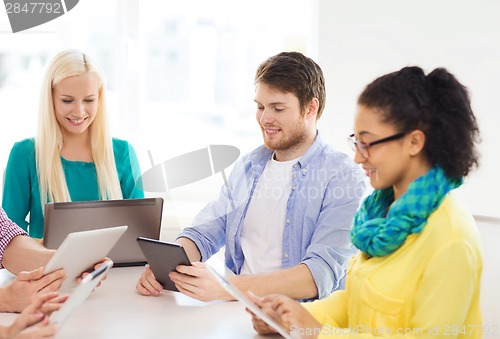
[(418, 270)]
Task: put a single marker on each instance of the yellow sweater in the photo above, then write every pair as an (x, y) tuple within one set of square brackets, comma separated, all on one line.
[(428, 288)]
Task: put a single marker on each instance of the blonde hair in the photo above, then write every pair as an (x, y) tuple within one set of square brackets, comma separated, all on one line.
[(49, 139)]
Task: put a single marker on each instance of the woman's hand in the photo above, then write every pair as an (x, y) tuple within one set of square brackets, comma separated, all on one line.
[(287, 312), (28, 285), (33, 322)]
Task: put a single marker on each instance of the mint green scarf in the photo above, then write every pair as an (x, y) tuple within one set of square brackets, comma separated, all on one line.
[(378, 231)]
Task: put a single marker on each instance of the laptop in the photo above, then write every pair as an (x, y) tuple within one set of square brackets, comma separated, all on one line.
[(142, 216)]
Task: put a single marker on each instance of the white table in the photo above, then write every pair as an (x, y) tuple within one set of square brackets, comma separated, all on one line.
[(116, 310)]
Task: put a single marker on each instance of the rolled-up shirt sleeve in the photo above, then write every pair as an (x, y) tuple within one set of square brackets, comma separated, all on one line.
[(210, 226), (209, 230)]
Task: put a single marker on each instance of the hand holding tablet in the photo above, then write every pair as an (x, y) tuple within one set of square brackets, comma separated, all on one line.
[(80, 293), (163, 258), (80, 251), (254, 308)]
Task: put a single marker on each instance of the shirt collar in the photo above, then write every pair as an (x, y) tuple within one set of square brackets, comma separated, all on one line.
[(263, 154), (312, 153)]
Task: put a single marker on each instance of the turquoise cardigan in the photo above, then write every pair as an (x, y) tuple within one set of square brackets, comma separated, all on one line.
[(21, 193)]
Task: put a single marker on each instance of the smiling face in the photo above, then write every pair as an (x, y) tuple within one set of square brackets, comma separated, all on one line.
[(284, 127), (76, 102), (389, 162)]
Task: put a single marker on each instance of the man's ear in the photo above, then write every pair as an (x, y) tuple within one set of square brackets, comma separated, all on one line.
[(312, 109), (417, 142)]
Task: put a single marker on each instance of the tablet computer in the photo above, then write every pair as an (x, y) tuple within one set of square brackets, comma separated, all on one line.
[(241, 297), (80, 251), (163, 257), (80, 293)]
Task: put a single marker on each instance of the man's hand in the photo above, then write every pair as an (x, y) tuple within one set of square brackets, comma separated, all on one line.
[(147, 284), (29, 285), (198, 283), (194, 281)]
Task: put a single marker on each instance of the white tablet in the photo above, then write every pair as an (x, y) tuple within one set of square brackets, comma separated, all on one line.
[(80, 293), (80, 251), (236, 293)]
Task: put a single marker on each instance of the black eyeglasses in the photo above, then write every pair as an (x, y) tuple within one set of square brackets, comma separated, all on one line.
[(362, 147)]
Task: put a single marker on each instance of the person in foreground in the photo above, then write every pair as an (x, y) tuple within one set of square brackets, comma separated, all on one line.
[(73, 157), (33, 322), (418, 271), (285, 216)]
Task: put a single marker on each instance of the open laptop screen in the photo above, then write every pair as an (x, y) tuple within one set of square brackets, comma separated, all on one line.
[(142, 216)]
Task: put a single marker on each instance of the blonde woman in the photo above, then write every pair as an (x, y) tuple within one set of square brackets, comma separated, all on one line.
[(73, 157)]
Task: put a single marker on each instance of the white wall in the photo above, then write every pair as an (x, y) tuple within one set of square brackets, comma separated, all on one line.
[(489, 230), (356, 41), (360, 40)]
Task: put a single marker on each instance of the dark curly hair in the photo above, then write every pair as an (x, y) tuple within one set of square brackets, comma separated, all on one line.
[(293, 72), (436, 104)]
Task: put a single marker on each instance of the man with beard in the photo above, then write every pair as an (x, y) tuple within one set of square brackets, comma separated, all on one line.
[(286, 214)]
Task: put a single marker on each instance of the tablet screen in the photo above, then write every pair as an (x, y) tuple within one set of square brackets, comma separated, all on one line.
[(80, 251), (163, 258)]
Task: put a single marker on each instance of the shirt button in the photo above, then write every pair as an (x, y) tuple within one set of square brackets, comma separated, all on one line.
[(293, 187), (285, 255), (287, 221), (304, 171), (295, 166)]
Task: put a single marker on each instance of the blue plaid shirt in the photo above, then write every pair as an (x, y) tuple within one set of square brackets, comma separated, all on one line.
[(327, 188)]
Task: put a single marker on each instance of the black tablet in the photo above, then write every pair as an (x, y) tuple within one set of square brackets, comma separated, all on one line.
[(163, 257)]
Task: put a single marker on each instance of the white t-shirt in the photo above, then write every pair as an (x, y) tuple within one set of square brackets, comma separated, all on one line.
[(262, 232)]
